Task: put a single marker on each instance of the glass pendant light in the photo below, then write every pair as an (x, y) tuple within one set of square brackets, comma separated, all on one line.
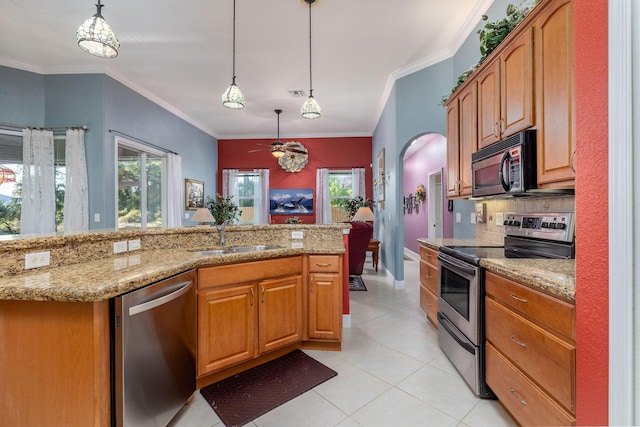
[(96, 37), (277, 147), (232, 97), (310, 109)]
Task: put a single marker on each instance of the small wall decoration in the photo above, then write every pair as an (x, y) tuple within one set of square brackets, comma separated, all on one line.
[(291, 201), (379, 183), (193, 194)]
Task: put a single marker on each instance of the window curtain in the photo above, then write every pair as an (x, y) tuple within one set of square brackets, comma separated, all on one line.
[(261, 197), (323, 202), (38, 185), (174, 190), (230, 185), (76, 191), (357, 183)]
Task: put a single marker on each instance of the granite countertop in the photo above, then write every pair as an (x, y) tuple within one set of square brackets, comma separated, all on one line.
[(556, 277), (101, 279)]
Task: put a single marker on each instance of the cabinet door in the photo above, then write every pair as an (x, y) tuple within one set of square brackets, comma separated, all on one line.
[(280, 312), (468, 135), (227, 322), (453, 155), (325, 306), (554, 95), (516, 86), (489, 104)]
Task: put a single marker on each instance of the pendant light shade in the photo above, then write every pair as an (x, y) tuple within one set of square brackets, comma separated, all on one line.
[(277, 147), (233, 97), (96, 37), (310, 109)]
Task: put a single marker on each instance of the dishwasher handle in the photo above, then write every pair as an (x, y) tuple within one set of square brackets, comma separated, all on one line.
[(149, 305)]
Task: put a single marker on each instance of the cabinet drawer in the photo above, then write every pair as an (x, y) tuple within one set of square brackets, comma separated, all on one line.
[(248, 271), (429, 276), (324, 264), (549, 312), (545, 358), (528, 404), (429, 256), (429, 304)]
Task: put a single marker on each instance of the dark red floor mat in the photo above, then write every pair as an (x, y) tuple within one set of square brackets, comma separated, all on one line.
[(244, 397)]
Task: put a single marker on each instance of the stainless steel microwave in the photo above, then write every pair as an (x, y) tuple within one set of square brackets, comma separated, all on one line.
[(507, 167)]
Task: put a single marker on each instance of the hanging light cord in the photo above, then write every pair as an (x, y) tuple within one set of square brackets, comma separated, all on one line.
[(310, 79), (234, 43)]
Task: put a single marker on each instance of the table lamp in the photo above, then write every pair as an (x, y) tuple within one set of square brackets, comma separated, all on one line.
[(364, 214), (202, 215)]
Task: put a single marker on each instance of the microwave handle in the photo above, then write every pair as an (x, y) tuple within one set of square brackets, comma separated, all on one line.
[(506, 157)]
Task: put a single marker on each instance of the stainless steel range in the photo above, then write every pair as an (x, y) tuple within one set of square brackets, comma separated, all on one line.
[(461, 285)]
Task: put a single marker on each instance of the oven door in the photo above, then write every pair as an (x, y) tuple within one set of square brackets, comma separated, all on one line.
[(458, 295)]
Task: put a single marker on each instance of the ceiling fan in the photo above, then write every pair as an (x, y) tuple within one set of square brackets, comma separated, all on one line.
[(279, 148)]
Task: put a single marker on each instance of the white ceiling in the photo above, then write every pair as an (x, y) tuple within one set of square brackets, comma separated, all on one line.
[(179, 54)]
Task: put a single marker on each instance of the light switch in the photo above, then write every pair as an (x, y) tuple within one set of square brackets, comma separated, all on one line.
[(499, 219), (458, 217)]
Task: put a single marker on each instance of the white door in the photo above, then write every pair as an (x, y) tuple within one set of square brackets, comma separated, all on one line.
[(435, 205)]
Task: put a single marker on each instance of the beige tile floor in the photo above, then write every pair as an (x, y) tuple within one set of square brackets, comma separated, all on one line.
[(391, 372)]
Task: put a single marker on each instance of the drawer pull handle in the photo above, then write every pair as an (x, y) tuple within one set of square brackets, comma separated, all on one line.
[(521, 344), (324, 264), (517, 396), (517, 298)]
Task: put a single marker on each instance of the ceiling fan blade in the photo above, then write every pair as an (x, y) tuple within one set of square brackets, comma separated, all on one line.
[(295, 150), (255, 151)]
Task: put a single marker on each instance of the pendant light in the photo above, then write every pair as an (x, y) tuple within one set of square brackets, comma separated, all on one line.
[(277, 147), (232, 97), (310, 109), (96, 37)]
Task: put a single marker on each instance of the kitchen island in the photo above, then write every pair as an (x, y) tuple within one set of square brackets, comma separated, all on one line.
[(55, 321)]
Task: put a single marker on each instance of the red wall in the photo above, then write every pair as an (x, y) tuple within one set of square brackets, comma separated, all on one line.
[(592, 267), (332, 153)]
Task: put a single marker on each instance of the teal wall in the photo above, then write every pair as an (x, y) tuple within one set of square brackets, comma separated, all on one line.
[(101, 103), (413, 109)]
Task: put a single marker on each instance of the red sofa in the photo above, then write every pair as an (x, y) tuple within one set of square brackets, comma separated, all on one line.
[(359, 237)]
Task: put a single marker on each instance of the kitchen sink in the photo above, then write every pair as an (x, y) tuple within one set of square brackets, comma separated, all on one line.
[(238, 249)]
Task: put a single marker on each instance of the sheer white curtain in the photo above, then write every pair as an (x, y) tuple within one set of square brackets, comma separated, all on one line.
[(357, 183), (38, 187), (230, 184), (174, 190), (261, 197), (76, 190), (323, 202)]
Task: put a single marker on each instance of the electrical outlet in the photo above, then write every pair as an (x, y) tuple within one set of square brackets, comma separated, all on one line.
[(37, 259), (473, 218), (96, 217), (458, 217), (297, 235), (134, 245), (186, 215), (499, 219), (119, 247)]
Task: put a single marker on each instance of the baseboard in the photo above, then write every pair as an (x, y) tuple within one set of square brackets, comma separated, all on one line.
[(409, 253), (398, 284)]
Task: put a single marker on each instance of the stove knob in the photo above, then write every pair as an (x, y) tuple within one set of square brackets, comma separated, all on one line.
[(516, 223), (544, 225), (561, 226), (553, 225)]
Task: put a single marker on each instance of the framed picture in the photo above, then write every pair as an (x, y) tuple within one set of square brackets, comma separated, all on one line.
[(291, 201), (193, 194), (381, 177)]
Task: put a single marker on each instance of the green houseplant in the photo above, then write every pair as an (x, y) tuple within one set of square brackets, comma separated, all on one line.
[(223, 209), (351, 206)]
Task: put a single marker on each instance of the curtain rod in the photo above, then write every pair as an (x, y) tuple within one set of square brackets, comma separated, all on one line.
[(17, 127), (117, 132)]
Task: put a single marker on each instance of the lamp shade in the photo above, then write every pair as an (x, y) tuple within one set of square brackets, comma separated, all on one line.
[(364, 214), (95, 36), (202, 215)]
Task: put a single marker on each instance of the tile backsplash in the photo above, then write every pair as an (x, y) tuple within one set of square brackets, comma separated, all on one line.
[(495, 233)]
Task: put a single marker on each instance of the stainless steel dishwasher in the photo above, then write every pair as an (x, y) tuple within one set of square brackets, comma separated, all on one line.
[(154, 352)]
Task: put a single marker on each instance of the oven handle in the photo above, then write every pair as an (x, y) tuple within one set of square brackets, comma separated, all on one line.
[(444, 322), (454, 264)]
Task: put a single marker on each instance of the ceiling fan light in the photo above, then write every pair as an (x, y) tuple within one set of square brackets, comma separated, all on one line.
[(95, 37), (278, 152), (233, 98), (310, 109)]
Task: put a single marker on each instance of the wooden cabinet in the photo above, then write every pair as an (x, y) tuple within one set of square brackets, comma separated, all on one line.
[(325, 297), (246, 310), (505, 92), (461, 141), (429, 283), (553, 53), (530, 352)]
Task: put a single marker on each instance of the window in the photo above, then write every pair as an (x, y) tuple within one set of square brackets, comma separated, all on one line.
[(340, 188), (247, 184), (141, 192), (11, 180)]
